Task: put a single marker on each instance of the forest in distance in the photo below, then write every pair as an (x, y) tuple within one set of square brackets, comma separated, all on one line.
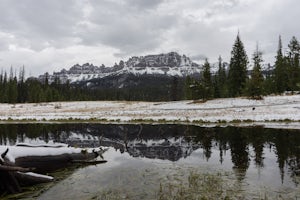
[(232, 82)]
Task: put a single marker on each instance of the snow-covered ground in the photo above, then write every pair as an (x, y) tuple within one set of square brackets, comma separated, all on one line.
[(271, 108)]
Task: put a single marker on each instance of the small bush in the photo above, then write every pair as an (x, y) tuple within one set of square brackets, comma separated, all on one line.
[(236, 121), (57, 106)]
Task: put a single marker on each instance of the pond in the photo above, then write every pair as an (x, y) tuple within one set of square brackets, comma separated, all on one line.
[(172, 161)]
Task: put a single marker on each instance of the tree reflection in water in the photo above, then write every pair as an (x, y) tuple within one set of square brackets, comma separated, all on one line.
[(171, 142)]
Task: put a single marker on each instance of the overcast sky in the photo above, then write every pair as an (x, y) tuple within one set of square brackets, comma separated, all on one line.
[(48, 35)]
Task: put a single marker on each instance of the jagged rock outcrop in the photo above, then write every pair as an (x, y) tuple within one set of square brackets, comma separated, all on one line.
[(170, 64), (160, 65)]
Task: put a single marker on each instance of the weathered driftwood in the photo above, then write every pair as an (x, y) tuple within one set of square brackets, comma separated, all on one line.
[(44, 164), (41, 145), (30, 179), (8, 181), (3, 155), (12, 176), (14, 168), (89, 162)]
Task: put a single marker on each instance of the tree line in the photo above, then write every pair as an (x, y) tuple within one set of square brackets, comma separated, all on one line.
[(232, 81), (17, 89), (237, 81)]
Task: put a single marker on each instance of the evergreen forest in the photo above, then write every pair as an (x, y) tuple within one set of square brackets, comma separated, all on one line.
[(234, 81)]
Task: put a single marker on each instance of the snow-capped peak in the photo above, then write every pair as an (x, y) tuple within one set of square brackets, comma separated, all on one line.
[(170, 64)]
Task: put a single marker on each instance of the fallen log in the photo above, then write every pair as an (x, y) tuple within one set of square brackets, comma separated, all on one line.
[(41, 145), (14, 168), (50, 163), (89, 162), (27, 179), (9, 182), (12, 171), (3, 155)]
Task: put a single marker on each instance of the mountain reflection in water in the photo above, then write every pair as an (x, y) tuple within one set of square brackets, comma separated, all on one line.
[(172, 142)]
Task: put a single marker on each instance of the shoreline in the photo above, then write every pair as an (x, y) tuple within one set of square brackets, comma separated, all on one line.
[(278, 111), (274, 124)]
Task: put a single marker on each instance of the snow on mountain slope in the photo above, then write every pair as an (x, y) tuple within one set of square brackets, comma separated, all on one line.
[(170, 64)]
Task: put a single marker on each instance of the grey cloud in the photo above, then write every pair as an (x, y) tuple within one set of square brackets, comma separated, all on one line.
[(144, 4), (269, 24), (129, 32), (4, 42), (218, 6), (136, 27), (124, 25), (197, 38), (40, 22), (198, 57)]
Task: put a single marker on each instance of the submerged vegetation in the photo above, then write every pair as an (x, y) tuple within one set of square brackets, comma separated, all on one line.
[(191, 185), (196, 185)]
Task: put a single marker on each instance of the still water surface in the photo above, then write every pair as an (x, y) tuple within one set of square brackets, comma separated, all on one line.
[(254, 162)]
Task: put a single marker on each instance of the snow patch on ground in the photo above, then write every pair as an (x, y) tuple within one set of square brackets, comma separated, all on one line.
[(271, 108)]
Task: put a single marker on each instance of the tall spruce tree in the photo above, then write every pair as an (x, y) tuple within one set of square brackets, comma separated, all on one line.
[(187, 88), (22, 86), (255, 84), (206, 81), (1, 87), (5, 89), (237, 69), (222, 78), (12, 90), (293, 65), (280, 71), (217, 86), (174, 89)]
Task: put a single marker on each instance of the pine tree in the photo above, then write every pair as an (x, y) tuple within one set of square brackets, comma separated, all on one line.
[(174, 89), (1, 87), (255, 84), (206, 82), (22, 86), (220, 80), (217, 86), (293, 64), (10, 88), (5, 88), (193, 89), (280, 71), (12, 92), (268, 84), (237, 69)]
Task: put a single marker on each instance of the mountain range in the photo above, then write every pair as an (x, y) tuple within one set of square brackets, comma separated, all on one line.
[(150, 71), (170, 64)]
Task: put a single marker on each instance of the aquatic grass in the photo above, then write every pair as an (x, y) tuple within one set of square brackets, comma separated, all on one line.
[(178, 184), (198, 186), (110, 195)]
